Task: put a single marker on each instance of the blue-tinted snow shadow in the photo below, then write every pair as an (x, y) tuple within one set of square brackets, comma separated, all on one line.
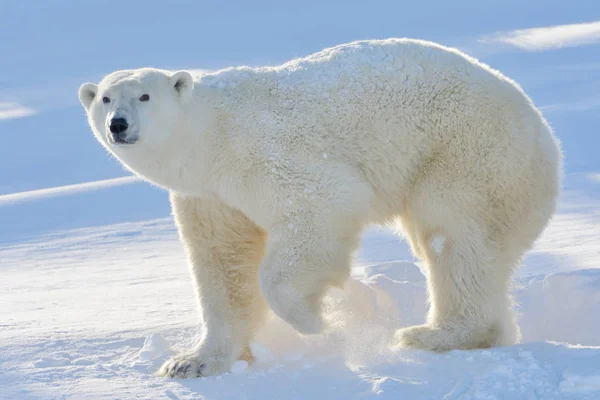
[(136, 201)]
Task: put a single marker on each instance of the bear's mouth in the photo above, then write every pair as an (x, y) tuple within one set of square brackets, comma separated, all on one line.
[(119, 141), (126, 141)]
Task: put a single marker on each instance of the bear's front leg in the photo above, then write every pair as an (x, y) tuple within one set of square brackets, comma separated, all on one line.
[(225, 250), (305, 256)]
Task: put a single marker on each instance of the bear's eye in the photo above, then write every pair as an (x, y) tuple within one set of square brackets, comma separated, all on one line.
[(144, 97), (105, 100)]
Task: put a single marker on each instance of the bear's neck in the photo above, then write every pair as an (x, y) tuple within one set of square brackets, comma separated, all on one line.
[(186, 161)]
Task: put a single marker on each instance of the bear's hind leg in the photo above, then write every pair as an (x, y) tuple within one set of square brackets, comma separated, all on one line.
[(468, 284), (224, 249), (470, 305)]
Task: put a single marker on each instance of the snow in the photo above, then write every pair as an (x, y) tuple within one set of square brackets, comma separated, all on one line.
[(64, 190), (239, 367), (155, 347), (437, 243), (94, 286), (95, 311)]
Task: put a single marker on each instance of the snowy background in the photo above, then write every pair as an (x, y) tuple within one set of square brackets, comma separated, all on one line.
[(94, 288)]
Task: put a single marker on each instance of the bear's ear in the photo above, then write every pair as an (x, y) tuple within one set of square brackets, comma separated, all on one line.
[(183, 84), (87, 92)]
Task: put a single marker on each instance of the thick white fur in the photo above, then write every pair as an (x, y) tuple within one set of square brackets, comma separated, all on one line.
[(274, 173)]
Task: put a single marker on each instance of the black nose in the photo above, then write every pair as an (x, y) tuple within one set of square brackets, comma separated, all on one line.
[(118, 125)]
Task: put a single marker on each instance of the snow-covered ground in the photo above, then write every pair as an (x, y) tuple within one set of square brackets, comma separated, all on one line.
[(94, 288)]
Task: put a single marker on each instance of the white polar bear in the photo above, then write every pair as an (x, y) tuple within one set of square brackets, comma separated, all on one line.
[(274, 172)]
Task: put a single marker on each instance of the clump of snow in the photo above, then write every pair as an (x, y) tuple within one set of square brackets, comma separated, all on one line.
[(46, 362), (239, 367), (261, 353), (155, 347)]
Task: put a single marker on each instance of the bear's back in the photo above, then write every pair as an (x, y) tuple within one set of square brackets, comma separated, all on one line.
[(390, 62)]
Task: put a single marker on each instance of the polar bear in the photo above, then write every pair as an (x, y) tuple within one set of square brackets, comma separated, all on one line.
[(274, 172)]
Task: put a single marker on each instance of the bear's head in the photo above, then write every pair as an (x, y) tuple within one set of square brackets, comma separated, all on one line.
[(136, 111)]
